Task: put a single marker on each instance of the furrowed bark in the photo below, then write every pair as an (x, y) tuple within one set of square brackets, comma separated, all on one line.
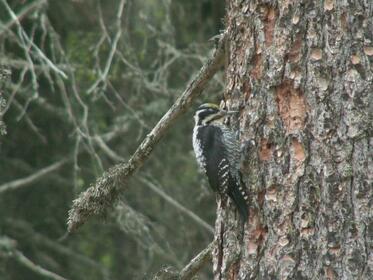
[(300, 74)]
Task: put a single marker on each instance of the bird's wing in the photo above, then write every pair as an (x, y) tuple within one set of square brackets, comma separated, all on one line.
[(222, 164), (214, 154)]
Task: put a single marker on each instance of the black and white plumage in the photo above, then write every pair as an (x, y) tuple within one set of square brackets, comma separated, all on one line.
[(217, 151)]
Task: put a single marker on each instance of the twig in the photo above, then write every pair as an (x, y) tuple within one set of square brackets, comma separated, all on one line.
[(144, 232), (32, 178), (112, 50), (109, 152), (22, 228), (34, 267), (190, 270), (29, 8), (100, 196), (8, 245), (18, 183), (176, 204), (196, 263), (23, 36), (29, 121), (23, 64)]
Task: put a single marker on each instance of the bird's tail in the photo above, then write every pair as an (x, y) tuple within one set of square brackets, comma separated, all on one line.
[(240, 198)]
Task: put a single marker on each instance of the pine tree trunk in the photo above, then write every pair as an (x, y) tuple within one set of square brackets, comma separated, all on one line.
[(300, 73)]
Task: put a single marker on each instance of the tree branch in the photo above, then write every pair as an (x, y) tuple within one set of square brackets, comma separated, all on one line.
[(196, 263), (177, 205), (104, 74), (32, 178), (26, 10), (100, 196), (20, 228), (190, 270), (20, 257), (8, 246), (25, 39)]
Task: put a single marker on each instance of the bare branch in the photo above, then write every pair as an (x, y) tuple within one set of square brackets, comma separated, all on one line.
[(32, 178), (20, 257), (176, 204), (29, 8), (28, 120), (196, 263), (109, 152), (100, 196), (24, 36), (144, 232), (9, 245), (22, 228), (112, 50), (23, 64), (190, 270)]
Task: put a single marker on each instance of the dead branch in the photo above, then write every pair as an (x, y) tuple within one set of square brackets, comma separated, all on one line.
[(104, 74), (25, 39), (26, 10), (9, 246), (22, 259), (101, 195), (37, 175), (20, 227), (32, 178), (196, 263), (190, 270), (143, 231), (177, 205)]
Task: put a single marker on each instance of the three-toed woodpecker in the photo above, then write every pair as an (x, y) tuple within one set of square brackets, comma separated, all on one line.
[(218, 152)]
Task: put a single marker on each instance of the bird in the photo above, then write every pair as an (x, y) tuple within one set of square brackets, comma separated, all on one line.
[(217, 151)]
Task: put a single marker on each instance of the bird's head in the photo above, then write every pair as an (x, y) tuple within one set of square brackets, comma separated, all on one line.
[(209, 113)]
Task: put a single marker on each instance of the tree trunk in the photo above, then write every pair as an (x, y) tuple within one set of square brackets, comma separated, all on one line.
[(299, 71)]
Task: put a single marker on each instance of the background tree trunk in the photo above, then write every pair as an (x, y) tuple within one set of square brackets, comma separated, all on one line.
[(300, 71)]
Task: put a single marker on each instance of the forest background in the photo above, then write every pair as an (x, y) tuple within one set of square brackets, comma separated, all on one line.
[(82, 83)]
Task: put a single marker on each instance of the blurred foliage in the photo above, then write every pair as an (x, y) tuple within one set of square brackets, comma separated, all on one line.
[(162, 44)]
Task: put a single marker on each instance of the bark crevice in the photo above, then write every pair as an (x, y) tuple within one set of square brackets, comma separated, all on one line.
[(304, 93)]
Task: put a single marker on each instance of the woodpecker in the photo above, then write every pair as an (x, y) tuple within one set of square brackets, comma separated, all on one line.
[(218, 152)]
